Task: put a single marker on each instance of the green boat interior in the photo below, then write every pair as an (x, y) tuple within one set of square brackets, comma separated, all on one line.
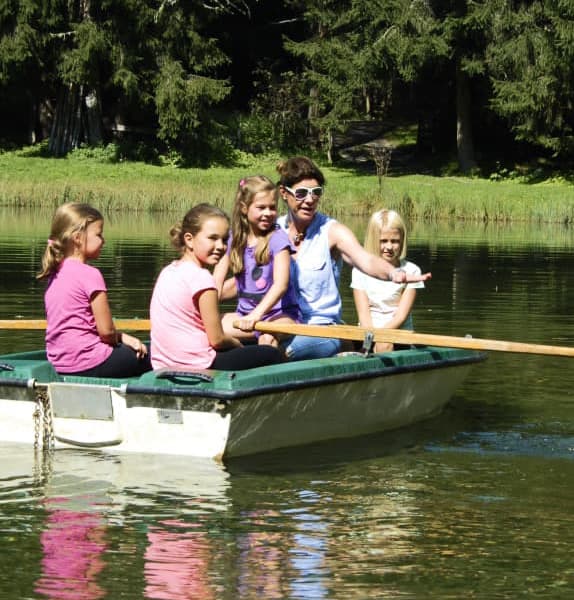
[(28, 369)]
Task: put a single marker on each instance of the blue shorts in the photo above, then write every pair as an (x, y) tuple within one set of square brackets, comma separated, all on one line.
[(303, 347)]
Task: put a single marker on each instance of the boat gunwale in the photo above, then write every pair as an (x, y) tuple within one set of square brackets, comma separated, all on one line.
[(239, 394), (133, 388)]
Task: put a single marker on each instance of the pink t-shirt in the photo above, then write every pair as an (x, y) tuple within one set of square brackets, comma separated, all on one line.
[(178, 336), (72, 340)]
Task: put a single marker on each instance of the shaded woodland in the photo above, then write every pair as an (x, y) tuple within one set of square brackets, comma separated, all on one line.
[(484, 83)]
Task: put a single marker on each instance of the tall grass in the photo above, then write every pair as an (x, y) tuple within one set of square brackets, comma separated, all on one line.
[(144, 228), (46, 183)]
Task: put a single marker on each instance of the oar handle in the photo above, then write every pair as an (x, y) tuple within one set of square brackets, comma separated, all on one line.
[(126, 324)]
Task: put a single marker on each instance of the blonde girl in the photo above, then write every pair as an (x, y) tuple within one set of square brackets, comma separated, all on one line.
[(259, 260), (385, 303), (186, 328), (81, 338)]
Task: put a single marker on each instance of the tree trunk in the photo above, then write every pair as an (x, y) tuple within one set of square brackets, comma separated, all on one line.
[(330, 146), (464, 141), (32, 117), (313, 113), (78, 116), (94, 128), (77, 120)]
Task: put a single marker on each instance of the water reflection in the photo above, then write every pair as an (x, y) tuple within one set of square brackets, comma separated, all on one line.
[(328, 522), (198, 530), (479, 501), (310, 546), (88, 507), (73, 544), (177, 562), (346, 532), (262, 556)]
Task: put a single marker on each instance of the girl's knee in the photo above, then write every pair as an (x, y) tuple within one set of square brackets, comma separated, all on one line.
[(268, 340)]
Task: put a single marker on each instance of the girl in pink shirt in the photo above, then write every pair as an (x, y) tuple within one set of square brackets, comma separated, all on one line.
[(81, 338), (186, 328)]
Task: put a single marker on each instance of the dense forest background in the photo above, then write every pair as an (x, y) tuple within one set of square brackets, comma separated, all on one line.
[(488, 83)]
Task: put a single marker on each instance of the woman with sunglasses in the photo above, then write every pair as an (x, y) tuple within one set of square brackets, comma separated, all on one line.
[(319, 245)]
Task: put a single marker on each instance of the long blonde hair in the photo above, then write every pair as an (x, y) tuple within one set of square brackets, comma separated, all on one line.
[(384, 219), (246, 191), (69, 219)]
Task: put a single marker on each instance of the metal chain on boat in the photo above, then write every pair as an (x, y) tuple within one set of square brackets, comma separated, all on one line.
[(43, 423)]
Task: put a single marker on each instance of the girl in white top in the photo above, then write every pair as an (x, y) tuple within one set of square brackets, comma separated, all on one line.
[(382, 303)]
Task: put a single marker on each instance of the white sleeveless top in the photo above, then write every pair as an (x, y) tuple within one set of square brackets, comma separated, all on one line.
[(316, 274)]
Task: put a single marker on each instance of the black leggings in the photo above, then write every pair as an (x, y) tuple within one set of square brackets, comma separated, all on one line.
[(247, 357), (122, 362)]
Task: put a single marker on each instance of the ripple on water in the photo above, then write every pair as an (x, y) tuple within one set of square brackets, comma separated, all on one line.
[(516, 443)]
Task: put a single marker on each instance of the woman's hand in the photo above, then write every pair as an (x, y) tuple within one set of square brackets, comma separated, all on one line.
[(401, 276), (344, 241)]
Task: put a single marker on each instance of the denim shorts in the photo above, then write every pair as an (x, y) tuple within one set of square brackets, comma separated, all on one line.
[(303, 347)]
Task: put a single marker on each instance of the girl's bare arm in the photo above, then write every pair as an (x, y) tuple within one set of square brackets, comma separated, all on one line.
[(281, 269), (220, 273), (103, 317), (106, 328), (362, 306), (209, 310), (405, 306)]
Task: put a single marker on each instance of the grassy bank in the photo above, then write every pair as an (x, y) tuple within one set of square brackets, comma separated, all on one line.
[(45, 183)]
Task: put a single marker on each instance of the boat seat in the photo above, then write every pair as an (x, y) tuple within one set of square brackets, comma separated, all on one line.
[(28, 368)]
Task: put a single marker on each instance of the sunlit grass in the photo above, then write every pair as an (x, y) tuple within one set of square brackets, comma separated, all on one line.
[(46, 183)]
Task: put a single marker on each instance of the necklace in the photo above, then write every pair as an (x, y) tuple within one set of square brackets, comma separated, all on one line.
[(299, 236)]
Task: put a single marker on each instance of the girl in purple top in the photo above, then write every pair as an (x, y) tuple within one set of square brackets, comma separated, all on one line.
[(81, 338), (259, 258)]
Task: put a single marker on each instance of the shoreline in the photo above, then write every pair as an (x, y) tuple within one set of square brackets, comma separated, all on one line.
[(45, 183)]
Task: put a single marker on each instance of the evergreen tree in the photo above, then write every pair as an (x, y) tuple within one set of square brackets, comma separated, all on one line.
[(341, 72), (28, 59), (117, 58), (441, 46), (531, 62), (356, 49)]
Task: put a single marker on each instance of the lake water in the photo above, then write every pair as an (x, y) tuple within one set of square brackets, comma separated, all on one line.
[(477, 502)]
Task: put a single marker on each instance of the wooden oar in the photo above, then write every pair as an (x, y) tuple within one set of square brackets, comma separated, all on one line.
[(126, 324), (348, 332), (401, 336)]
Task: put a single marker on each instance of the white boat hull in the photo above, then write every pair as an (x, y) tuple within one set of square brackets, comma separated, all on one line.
[(114, 418)]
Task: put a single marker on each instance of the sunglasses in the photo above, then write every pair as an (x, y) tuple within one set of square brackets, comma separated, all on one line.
[(302, 192)]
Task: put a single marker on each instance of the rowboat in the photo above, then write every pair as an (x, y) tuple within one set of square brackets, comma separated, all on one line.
[(225, 414)]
